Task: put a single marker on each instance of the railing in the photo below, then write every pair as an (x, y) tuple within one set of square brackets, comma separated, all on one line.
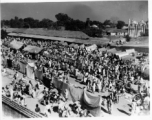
[(23, 110)]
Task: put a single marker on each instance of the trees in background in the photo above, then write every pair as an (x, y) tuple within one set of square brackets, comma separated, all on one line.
[(120, 24), (63, 20), (128, 38)]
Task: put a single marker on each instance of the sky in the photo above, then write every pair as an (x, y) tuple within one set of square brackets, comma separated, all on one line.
[(100, 10)]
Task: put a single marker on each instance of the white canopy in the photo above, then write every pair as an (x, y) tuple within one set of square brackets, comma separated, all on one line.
[(129, 51), (91, 48), (122, 54)]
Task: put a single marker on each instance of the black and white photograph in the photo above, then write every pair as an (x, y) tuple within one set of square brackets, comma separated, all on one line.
[(75, 59)]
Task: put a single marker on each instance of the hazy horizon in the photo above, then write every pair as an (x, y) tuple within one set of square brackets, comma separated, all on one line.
[(100, 10)]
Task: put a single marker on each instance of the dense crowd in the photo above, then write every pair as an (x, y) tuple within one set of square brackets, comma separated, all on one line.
[(98, 71)]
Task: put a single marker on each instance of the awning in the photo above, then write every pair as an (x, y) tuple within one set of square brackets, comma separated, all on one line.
[(16, 45), (32, 49)]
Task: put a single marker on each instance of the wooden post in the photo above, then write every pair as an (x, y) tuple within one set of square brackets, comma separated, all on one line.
[(129, 27)]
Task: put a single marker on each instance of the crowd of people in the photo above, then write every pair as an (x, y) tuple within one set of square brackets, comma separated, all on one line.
[(98, 71)]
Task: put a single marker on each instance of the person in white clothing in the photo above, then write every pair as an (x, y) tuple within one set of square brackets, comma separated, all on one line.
[(47, 109), (4, 71), (99, 85), (133, 107), (147, 102)]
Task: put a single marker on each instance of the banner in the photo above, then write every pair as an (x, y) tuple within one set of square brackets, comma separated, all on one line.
[(39, 74), (22, 67), (134, 87), (75, 94), (46, 81), (30, 72), (91, 100), (57, 83)]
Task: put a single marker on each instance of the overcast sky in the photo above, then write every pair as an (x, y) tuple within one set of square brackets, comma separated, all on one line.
[(115, 10)]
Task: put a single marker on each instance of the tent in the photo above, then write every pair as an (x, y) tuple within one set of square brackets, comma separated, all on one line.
[(72, 45), (122, 54), (128, 57), (91, 48), (102, 49), (63, 43), (129, 51), (32, 49), (76, 46), (113, 50), (82, 46), (16, 45)]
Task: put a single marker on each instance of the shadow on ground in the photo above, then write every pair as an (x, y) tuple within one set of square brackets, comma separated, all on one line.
[(123, 111), (103, 109)]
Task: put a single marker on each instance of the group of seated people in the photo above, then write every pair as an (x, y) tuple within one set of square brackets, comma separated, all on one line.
[(19, 89)]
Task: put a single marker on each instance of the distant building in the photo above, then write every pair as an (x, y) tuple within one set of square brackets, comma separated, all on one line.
[(95, 26), (136, 29), (117, 32), (62, 27)]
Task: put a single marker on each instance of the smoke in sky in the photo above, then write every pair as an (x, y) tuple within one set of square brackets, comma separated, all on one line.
[(81, 12)]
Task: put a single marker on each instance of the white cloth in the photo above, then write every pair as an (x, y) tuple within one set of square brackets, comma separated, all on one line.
[(30, 72), (133, 108), (147, 100), (99, 84), (61, 105)]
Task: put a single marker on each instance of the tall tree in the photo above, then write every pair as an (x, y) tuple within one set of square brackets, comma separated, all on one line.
[(120, 24), (62, 18), (46, 23), (107, 22)]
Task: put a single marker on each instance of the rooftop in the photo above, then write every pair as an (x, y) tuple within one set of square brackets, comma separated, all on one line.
[(113, 30), (50, 33)]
